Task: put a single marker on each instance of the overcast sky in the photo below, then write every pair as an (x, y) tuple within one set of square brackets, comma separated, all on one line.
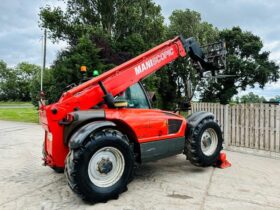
[(21, 38)]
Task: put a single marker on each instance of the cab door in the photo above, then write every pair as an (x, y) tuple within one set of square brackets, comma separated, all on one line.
[(147, 123), (160, 134)]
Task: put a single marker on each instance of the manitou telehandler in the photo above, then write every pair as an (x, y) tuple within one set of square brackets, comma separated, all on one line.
[(101, 129)]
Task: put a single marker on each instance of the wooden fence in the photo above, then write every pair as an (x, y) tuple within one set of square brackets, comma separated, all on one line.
[(255, 126)]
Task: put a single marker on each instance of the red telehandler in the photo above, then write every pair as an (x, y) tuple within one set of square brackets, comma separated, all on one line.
[(101, 129)]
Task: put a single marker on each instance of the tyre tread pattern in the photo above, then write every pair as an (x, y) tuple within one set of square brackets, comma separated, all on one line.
[(73, 158), (192, 146)]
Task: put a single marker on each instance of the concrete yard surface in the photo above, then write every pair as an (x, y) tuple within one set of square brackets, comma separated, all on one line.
[(252, 182)]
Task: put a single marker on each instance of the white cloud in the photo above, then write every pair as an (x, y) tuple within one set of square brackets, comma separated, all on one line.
[(274, 48), (20, 35), (269, 91)]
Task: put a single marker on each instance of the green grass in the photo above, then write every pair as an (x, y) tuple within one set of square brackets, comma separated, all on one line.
[(14, 103), (20, 114)]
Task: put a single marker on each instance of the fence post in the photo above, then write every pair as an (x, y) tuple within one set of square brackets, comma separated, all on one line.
[(226, 126), (277, 143)]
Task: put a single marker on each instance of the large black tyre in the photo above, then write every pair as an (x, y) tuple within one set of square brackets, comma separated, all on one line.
[(207, 134), (85, 180)]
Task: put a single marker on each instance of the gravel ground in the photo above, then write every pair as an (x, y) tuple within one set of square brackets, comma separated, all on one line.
[(173, 183)]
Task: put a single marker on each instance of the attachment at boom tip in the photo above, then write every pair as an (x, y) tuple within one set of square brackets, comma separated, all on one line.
[(211, 57)]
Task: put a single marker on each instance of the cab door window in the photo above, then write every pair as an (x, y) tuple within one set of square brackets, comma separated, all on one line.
[(135, 97)]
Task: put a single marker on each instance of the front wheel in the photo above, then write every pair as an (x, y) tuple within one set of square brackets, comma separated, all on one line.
[(204, 145), (101, 169)]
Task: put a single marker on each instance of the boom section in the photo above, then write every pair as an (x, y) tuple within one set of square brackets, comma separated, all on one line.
[(118, 79)]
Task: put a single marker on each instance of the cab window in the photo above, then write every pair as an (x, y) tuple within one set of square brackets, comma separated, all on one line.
[(135, 97)]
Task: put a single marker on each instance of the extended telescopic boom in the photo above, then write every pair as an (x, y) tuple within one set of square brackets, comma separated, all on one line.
[(118, 79)]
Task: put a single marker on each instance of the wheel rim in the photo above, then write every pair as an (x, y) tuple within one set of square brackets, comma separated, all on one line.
[(209, 142), (106, 167)]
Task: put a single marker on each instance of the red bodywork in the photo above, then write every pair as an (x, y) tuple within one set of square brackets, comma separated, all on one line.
[(147, 124)]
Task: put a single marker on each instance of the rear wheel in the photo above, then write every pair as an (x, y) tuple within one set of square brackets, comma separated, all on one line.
[(101, 169), (204, 145)]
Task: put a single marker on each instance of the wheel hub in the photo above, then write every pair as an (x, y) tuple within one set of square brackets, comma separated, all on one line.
[(105, 166), (206, 141), (209, 142)]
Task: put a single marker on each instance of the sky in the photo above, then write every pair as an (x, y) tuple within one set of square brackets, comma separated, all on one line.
[(21, 37), (20, 34)]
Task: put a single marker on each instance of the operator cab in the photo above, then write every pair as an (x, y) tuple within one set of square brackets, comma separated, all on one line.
[(135, 97)]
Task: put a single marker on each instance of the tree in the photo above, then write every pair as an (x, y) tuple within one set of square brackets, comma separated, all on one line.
[(275, 99), (100, 34), (7, 83), (25, 75), (252, 98), (247, 61), (106, 19), (15, 82)]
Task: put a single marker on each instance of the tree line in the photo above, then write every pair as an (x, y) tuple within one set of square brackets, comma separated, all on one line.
[(254, 98), (16, 84), (103, 34)]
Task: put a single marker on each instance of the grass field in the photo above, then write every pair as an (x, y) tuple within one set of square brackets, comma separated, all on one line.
[(14, 103), (14, 112)]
